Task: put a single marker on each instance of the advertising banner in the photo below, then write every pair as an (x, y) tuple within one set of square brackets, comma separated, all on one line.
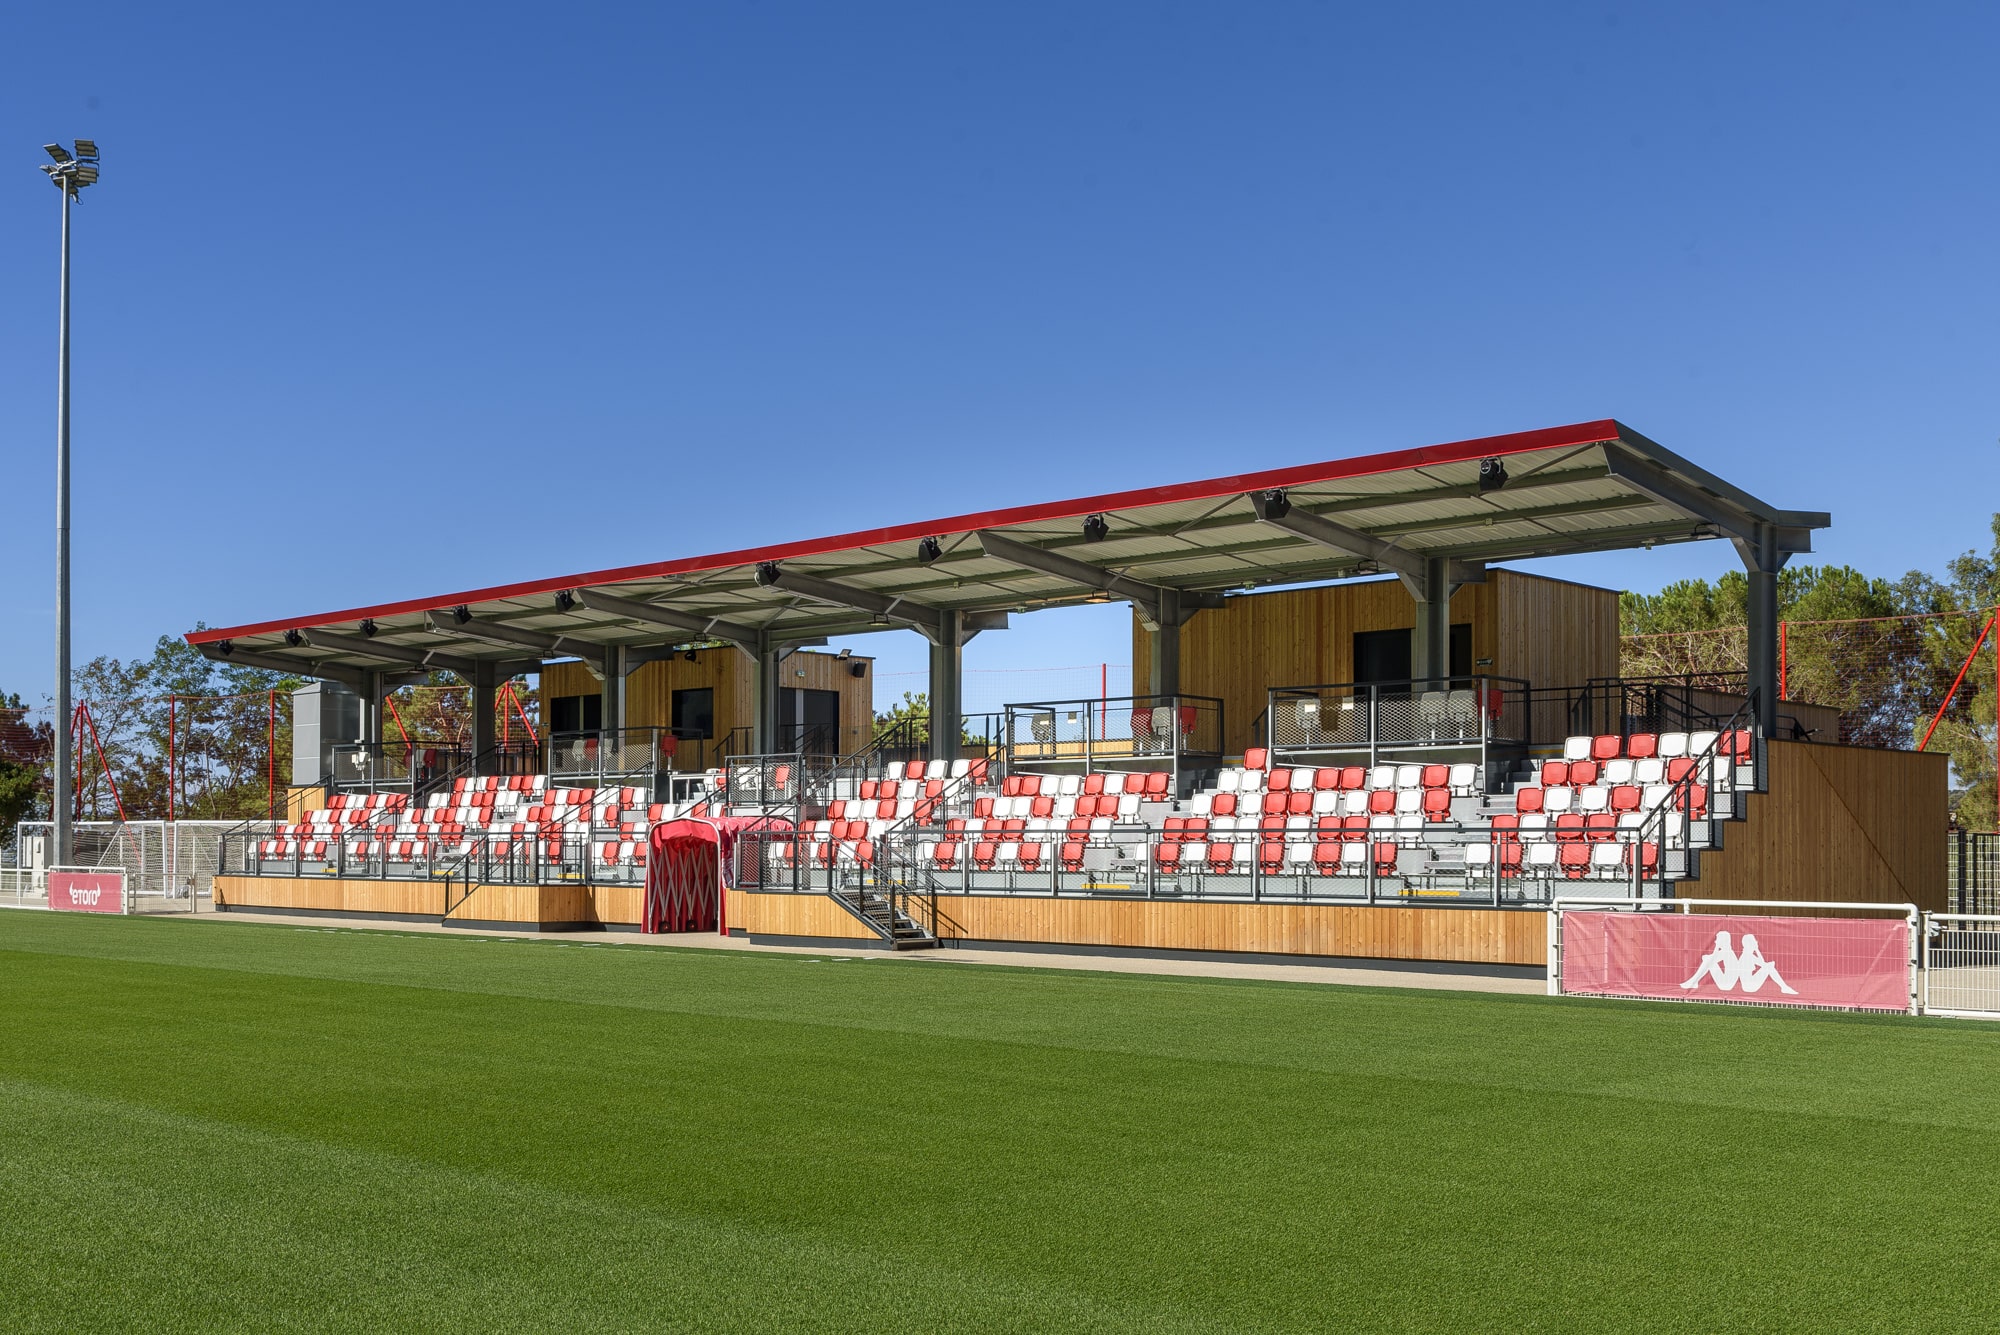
[(1860, 963), (87, 891)]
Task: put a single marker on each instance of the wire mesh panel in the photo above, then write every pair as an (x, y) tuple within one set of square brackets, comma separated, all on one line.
[(169, 866), (1962, 964)]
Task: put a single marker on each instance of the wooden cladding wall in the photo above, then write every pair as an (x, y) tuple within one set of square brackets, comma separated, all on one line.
[(649, 701), (1839, 823), (793, 915), (528, 905), (1546, 631), (1355, 931), (1551, 632)]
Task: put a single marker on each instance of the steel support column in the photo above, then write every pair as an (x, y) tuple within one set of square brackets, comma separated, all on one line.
[(764, 692), (613, 688), (371, 707), (947, 686), (1166, 645), (1430, 643), (1762, 560), (484, 684)]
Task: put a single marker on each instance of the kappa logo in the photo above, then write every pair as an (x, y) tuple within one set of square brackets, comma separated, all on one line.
[(1731, 971)]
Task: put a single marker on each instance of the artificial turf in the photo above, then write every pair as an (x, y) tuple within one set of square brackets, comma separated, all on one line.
[(260, 1127)]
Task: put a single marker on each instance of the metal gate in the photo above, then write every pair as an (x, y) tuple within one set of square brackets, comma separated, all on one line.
[(1973, 879), (1962, 964)]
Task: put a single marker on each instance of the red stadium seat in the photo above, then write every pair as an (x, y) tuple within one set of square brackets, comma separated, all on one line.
[(1437, 802), (982, 856), (1093, 784), (1642, 745), (1555, 773), (1382, 802), (1167, 856), (1041, 808), (1271, 857), (1528, 799), (1279, 781), (1600, 828), (1072, 856), (1575, 860), (1156, 783), (1569, 827), (1625, 797), (1225, 804), (1352, 778), (1255, 757), (1326, 780), (1606, 747)]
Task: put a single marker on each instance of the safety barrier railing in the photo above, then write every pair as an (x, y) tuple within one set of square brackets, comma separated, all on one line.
[(1182, 734), (1482, 717), (371, 767)]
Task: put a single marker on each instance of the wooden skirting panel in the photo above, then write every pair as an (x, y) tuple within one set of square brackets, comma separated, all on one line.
[(540, 905), (330, 894), (1358, 931), (793, 915), (1838, 823), (1476, 936)]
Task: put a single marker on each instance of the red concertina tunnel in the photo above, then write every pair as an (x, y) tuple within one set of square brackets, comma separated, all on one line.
[(688, 868)]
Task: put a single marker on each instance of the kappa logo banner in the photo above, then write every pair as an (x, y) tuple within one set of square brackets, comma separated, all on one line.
[(87, 891), (1849, 962)]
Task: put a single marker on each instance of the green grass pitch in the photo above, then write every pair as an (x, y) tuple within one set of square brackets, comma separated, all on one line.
[(257, 1127)]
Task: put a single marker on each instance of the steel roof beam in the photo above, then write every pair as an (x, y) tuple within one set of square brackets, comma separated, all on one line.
[(1275, 509), (549, 646), (391, 653), (224, 651), (928, 621), (692, 623), (1736, 521), (1160, 604)]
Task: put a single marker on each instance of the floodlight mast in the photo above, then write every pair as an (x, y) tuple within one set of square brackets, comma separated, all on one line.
[(69, 173)]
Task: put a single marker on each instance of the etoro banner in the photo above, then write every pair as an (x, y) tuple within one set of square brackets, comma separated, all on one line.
[(1856, 963), (87, 891)]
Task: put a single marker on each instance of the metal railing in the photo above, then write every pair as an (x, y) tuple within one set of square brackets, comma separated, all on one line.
[(1480, 717), (411, 767), (1182, 734)]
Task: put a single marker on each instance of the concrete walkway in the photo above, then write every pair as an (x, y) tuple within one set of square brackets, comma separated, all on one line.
[(1354, 973)]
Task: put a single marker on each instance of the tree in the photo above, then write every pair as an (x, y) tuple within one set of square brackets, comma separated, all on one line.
[(24, 762)]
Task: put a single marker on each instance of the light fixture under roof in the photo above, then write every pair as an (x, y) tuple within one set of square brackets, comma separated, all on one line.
[(1095, 529)]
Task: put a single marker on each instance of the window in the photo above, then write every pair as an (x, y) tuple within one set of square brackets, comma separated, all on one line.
[(1382, 655), (694, 714), (576, 713)]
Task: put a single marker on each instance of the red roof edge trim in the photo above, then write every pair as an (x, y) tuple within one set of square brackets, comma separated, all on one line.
[(1521, 442)]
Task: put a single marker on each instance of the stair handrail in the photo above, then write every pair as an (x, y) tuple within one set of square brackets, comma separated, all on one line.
[(1702, 771)]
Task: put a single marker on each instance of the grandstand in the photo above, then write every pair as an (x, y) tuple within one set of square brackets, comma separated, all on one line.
[(1313, 761)]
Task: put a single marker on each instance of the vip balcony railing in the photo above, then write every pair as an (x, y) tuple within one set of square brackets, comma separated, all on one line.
[(396, 767), (1182, 734), (1480, 718)]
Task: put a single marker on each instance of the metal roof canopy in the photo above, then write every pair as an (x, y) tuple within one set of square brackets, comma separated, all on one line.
[(1594, 486)]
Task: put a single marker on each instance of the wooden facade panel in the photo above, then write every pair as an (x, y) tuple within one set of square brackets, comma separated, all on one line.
[(1839, 823), (1477, 936), (1547, 631), (424, 898), (793, 915), (728, 672)]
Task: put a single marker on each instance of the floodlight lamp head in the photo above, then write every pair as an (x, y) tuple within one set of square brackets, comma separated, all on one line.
[(928, 550), (461, 614), (1276, 504), (1095, 529), (767, 574), (294, 639), (691, 656), (1492, 474), (368, 627), (87, 149), (565, 600), (225, 647), (56, 151)]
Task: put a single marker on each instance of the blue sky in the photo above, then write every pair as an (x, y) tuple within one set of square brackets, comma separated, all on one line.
[(378, 301)]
